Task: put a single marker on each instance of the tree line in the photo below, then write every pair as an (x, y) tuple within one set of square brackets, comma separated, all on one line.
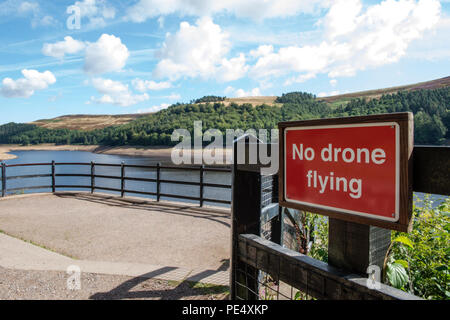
[(431, 110)]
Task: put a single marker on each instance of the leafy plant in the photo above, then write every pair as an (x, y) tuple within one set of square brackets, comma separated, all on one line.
[(421, 257), (417, 262), (397, 275)]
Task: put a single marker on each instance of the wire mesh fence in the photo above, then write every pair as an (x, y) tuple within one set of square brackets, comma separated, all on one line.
[(268, 287), (255, 284)]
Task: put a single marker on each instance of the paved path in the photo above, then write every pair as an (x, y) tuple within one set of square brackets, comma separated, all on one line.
[(109, 235), (38, 285), (20, 255)]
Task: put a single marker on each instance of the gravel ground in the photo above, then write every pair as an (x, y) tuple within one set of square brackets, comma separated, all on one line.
[(52, 285), (106, 228)]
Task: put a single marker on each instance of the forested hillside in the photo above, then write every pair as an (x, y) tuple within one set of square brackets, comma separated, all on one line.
[(431, 110)]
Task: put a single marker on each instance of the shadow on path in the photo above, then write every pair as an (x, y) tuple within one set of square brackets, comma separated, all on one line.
[(183, 289), (148, 206)]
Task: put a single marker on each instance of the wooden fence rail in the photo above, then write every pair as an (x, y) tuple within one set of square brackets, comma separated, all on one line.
[(312, 277)]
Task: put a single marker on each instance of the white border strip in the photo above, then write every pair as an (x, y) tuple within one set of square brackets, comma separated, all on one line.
[(397, 169)]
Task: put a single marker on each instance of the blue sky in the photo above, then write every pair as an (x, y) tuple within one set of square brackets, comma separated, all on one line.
[(117, 57)]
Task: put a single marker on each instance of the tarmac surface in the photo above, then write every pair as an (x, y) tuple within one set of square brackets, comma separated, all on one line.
[(107, 235)]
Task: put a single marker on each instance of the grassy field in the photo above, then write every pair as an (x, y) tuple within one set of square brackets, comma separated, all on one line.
[(255, 101), (87, 122), (92, 122), (374, 94)]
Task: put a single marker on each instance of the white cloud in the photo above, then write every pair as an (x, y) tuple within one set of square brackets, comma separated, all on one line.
[(173, 96), (328, 94), (115, 92), (96, 11), (307, 59), (194, 50), (154, 108), (54, 98), (239, 93), (26, 7), (199, 51), (299, 79), (25, 87), (144, 85), (333, 82), (254, 9), (342, 17), (354, 39), (232, 69), (263, 50), (8, 7), (48, 21), (59, 49), (434, 45), (106, 55), (385, 31)]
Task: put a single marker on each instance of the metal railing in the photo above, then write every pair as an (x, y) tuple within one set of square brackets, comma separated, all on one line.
[(123, 178)]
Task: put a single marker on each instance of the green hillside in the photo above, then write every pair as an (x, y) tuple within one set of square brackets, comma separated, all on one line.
[(431, 108)]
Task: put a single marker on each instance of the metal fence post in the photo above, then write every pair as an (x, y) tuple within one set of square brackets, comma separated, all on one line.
[(158, 183), (202, 167), (354, 247), (53, 177), (92, 176), (122, 179), (3, 179)]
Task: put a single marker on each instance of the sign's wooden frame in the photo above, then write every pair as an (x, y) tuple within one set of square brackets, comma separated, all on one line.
[(405, 121)]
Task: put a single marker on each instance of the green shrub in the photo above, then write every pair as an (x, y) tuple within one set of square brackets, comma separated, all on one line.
[(417, 262), (423, 254)]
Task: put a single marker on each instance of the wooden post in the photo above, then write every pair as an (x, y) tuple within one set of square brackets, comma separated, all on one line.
[(354, 247), (3, 179), (158, 183), (53, 177), (122, 179), (246, 218), (92, 176), (202, 167)]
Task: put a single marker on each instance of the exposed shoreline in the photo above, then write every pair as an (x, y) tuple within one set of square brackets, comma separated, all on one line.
[(154, 152), (157, 153)]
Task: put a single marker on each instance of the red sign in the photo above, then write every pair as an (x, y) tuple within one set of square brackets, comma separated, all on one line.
[(351, 168)]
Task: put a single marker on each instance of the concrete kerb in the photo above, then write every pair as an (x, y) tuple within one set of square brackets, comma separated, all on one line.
[(128, 199)]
